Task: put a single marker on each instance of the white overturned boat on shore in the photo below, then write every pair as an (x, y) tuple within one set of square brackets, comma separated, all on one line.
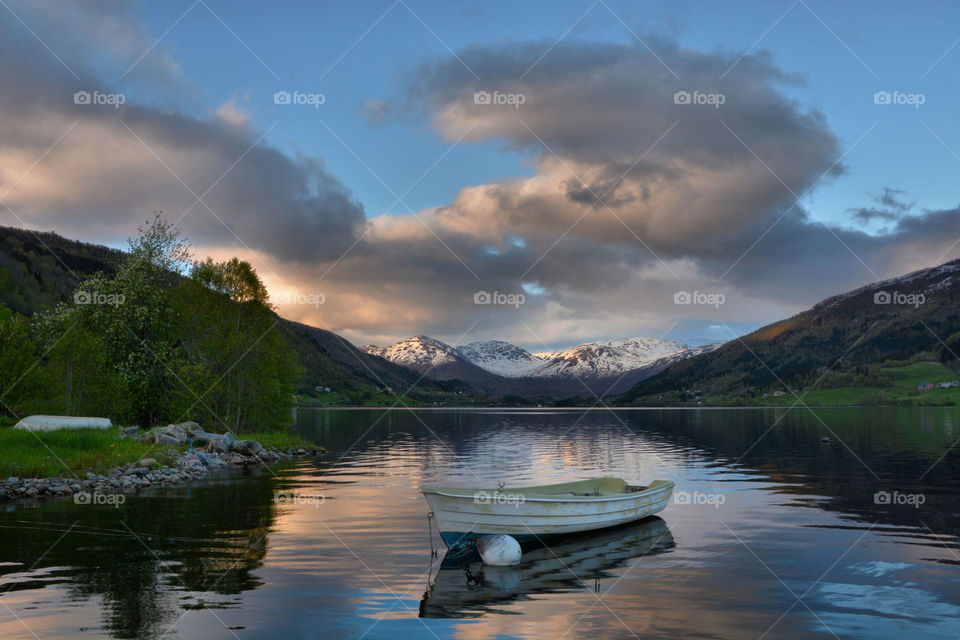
[(533, 512)]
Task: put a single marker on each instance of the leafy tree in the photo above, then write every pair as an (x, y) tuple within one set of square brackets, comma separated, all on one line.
[(17, 357), (135, 316), (76, 372), (254, 370), (234, 278)]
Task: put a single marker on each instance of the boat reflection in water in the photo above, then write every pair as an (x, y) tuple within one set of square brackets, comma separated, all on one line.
[(464, 587)]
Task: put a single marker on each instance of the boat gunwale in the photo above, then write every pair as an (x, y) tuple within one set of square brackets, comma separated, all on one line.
[(627, 496), (651, 489)]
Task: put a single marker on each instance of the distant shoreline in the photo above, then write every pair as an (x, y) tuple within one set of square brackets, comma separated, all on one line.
[(650, 408)]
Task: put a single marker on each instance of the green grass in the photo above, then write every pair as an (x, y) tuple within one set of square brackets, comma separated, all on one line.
[(74, 452), (282, 440), (903, 390), (366, 399), (914, 374), (69, 452)]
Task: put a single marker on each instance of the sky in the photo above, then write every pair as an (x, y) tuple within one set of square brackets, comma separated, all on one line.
[(686, 170)]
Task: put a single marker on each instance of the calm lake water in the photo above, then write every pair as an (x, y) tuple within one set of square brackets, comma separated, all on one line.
[(772, 532)]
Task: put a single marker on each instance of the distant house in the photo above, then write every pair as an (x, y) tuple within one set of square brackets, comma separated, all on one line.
[(925, 386), (778, 393), (948, 385)]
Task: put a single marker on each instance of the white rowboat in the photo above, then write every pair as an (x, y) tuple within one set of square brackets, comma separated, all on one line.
[(532, 512), (463, 587)]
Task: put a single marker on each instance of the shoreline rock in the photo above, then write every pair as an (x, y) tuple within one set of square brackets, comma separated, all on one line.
[(219, 451)]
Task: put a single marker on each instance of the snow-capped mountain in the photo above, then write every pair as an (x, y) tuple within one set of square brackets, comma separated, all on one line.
[(501, 358), (593, 359), (418, 352), (660, 364), (495, 366), (605, 357), (433, 358)]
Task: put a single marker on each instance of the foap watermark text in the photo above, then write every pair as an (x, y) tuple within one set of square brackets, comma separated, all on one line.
[(699, 297), (97, 498), (510, 99), (897, 498), (299, 297), (499, 497), (498, 298), (299, 98), (895, 297), (699, 98), (897, 98), (110, 99), (295, 497), (95, 297), (696, 497)]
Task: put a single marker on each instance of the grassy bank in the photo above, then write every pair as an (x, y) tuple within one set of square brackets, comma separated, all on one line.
[(891, 384), (367, 399), (71, 452), (901, 389), (282, 440)]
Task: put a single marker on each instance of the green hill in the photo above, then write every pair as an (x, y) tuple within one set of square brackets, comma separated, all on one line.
[(356, 377), (860, 347), (40, 269)]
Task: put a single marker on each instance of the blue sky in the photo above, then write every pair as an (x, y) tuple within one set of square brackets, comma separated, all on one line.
[(600, 199), (857, 49)]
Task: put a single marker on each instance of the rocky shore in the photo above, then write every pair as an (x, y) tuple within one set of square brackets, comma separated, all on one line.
[(209, 451)]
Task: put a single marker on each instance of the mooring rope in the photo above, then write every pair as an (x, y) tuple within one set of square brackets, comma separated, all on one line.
[(433, 550)]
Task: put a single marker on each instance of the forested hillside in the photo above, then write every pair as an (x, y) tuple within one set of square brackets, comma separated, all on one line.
[(152, 334), (40, 269), (908, 319)]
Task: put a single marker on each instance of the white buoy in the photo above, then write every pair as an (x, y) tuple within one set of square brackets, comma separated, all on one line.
[(499, 550)]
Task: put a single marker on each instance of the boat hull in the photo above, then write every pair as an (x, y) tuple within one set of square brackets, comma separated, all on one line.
[(463, 587), (526, 514)]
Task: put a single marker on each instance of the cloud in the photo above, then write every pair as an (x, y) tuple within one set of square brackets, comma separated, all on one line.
[(377, 112), (890, 206), (607, 135), (105, 168), (233, 114), (638, 193), (644, 185), (104, 37)]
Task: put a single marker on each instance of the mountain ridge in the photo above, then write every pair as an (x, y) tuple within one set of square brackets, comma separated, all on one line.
[(39, 269), (899, 319), (495, 366)]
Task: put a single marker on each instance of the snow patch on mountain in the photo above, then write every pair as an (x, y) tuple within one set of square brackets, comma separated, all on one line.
[(418, 352), (926, 281), (606, 357), (600, 359), (501, 358)]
